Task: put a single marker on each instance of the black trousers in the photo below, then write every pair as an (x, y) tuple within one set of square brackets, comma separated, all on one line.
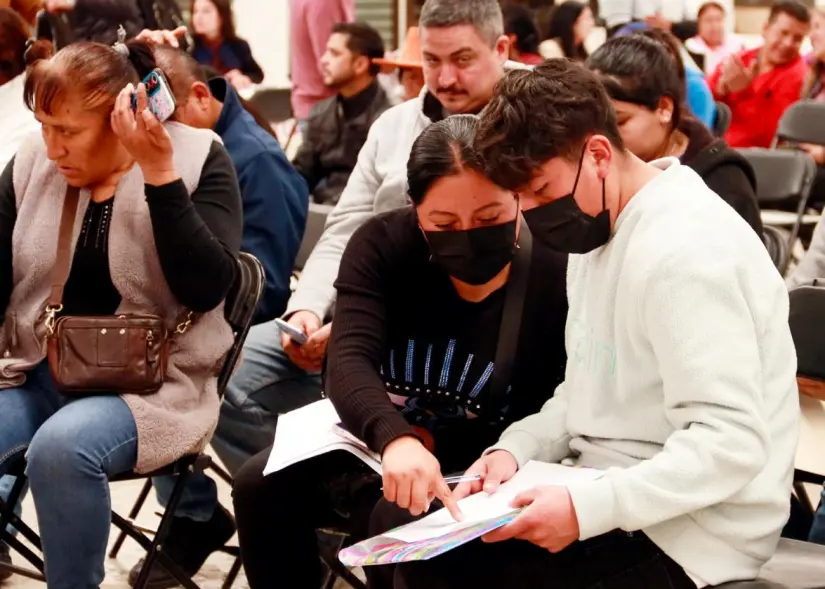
[(278, 515), (616, 560)]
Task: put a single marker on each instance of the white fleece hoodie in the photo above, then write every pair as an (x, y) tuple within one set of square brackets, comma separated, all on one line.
[(680, 382)]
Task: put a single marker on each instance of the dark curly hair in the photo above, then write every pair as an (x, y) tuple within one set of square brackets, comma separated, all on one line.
[(537, 115)]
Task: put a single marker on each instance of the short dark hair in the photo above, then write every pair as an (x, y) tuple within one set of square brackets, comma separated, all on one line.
[(708, 5), (639, 70), (483, 15), (537, 115), (441, 150), (793, 8), (362, 41), (519, 21)]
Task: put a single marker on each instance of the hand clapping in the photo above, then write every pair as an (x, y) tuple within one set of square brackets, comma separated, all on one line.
[(735, 75), (144, 137)]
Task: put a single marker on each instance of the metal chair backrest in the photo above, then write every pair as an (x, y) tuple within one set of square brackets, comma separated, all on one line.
[(782, 175), (273, 103), (241, 305), (803, 122), (807, 322), (784, 178), (316, 222), (54, 28), (777, 246), (723, 118)]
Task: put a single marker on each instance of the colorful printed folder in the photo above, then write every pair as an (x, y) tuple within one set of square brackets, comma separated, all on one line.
[(437, 533)]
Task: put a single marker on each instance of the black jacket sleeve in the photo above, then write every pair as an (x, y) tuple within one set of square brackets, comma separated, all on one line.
[(353, 382), (731, 182), (8, 216), (306, 161), (249, 67), (198, 239)]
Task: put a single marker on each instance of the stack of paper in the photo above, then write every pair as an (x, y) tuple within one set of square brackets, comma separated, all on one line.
[(311, 431), (438, 532)]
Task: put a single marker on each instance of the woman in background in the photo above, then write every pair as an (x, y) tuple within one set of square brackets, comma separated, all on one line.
[(218, 45), (570, 25), (520, 27), (648, 97), (16, 121)]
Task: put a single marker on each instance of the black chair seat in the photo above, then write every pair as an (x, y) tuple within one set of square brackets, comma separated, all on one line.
[(796, 565)]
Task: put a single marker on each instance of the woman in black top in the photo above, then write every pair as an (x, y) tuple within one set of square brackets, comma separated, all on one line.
[(648, 96), (420, 299), (217, 44)]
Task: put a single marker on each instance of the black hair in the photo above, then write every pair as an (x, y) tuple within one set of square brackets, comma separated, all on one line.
[(13, 37), (639, 70), (540, 114), (562, 20), (362, 41), (519, 21), (443, 149), (793, 8)]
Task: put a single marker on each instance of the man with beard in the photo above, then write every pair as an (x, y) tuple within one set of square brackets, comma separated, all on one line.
[(338, 126)]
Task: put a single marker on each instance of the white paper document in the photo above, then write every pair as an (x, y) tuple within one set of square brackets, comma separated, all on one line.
[(484, 507), (311, 431)]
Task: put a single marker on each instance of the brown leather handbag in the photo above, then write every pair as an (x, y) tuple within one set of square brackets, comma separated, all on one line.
[(89, 355)]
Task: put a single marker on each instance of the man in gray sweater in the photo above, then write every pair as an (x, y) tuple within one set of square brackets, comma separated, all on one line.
[(680, 382)]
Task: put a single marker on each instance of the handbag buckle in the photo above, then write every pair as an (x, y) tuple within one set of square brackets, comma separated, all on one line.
[(51, 318), (184, 325)]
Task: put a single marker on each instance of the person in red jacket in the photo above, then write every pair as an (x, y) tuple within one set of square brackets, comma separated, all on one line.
[(758, 85)]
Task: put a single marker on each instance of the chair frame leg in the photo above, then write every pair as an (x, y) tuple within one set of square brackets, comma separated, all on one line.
[(154, 548), (9, 518), (133, 514)]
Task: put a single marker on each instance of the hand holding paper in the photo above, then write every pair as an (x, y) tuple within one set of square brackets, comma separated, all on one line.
[(549, 519), (493, 469), (539, 486)]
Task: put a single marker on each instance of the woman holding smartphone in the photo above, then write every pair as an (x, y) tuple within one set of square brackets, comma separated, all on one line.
[(157, 231), (421, 295)]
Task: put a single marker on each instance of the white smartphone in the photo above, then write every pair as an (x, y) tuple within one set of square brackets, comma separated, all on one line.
[(159, 97), (295, 334)]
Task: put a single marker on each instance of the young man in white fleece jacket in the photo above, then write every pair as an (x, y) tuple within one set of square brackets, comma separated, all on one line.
[(680, 380)]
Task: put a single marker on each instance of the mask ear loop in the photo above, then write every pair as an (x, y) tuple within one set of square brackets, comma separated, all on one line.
[(579, 170)]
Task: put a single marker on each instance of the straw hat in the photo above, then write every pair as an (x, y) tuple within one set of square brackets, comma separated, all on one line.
[(410, 56)]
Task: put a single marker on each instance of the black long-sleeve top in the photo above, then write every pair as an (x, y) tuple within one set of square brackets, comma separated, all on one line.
[(197, 238), (407, 351)]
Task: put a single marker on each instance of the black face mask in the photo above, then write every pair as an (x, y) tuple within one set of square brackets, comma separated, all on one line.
[(474, 256), (563, 226)]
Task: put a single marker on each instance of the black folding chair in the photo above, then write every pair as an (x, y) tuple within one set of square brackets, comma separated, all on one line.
[(802, 122), (241, 306), (316, 222), (723, 118), (783, 178), (777, 245)]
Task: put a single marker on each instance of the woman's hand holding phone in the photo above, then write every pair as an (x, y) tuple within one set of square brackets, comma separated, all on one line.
[(144, 137)]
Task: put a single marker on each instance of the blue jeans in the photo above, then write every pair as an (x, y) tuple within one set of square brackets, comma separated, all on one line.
[(266, 385), (817, 533), (74, 446)]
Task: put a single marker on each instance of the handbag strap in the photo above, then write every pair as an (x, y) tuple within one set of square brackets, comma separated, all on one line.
[(508, 332), (62, 266), (60, 271)]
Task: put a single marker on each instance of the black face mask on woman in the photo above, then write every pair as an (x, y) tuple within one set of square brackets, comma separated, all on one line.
[(563, 226), (474, 256)]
